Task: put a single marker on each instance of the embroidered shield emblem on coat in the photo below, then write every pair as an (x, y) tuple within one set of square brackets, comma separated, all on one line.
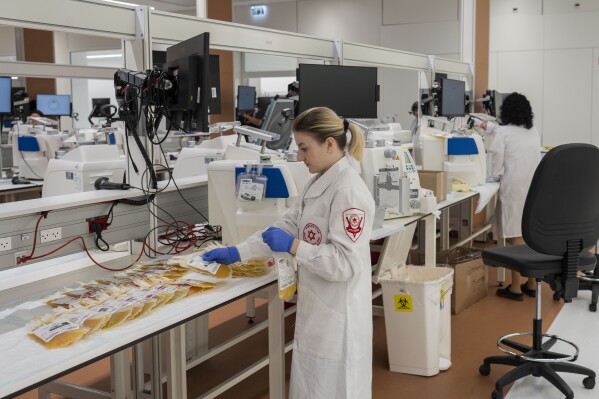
[(311, 234), (353, 222)]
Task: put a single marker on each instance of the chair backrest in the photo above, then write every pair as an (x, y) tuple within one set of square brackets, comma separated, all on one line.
[(563, 200)]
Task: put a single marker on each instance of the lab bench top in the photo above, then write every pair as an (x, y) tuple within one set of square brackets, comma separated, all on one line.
[(26, 364)]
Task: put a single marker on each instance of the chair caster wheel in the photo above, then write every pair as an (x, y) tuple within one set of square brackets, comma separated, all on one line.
[(557, 296), (589, 382), (250, 320), (484, 369), (593, 307), (497, 394)]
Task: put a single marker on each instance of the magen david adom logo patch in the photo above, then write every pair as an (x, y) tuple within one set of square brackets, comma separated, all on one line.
[(353, 222), (312, 234)]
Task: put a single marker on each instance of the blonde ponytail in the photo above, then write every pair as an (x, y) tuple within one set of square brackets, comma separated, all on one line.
[(356, 145)]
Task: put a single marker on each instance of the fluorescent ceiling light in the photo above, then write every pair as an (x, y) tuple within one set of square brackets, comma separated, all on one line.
[(121, 2), (14, 77), (104, 56), (126, 4)]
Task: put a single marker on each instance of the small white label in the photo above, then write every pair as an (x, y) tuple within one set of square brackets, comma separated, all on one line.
[(78, 181), (48, 331), (199, 264), (286, 273), (250, 191), (164, 288), (213, 92), (109, 307), (77, 318)]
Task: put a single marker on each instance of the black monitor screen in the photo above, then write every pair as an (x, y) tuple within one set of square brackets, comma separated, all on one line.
[(453, 94), (189, 62), (246, 98), (54, 104), (96, 104), (351, 91), (5, 96)]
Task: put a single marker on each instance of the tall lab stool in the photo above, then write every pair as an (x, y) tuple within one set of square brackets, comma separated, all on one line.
[(559, 223)]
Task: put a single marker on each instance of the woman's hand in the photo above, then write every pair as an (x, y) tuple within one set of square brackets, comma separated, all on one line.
[(278, 239), (226, 255)]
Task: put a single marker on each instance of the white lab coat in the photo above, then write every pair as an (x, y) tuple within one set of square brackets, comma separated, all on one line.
[(516, 153), (332, 349)]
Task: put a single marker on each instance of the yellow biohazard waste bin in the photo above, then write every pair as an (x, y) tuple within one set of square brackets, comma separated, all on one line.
[(417, 307)]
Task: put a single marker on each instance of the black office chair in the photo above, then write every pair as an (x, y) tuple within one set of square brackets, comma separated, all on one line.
[(560, 222)]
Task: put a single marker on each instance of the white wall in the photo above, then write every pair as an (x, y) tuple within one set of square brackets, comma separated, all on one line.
[(281, 16), (8, 42), (401, 24), (549, 51)]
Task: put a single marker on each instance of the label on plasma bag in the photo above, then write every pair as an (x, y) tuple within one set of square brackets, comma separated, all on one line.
[(286, 273), (49, 331), (198, 263), (250, 191)]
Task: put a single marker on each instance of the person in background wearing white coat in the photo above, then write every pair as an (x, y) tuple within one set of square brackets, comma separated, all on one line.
[(516, 153), (328, 230)]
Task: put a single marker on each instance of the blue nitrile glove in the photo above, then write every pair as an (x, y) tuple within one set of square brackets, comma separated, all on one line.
[(226, 255), (277, 239)]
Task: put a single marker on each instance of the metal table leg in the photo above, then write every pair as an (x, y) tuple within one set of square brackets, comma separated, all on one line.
[(276, 344)]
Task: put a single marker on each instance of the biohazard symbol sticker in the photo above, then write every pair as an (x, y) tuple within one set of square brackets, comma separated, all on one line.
[(311, 234), (403, 303), (353, 222)]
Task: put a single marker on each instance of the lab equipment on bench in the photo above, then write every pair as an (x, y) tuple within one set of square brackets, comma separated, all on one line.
[(390, 174), (241, 217), (461, 156), (78, 169)]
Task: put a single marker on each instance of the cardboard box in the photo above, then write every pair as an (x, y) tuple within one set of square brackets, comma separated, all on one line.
[(470, 278), (435, 181), (470, 283)]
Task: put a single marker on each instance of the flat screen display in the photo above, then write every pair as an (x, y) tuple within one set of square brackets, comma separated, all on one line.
[(453, 94), (5, 96), (246, 98), (351, 91), (54, 104)]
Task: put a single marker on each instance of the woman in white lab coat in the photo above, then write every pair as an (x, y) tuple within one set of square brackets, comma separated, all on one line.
[(328, 230), (516, 152)]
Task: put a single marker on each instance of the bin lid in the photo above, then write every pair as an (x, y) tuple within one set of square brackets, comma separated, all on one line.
[(394, 252), (419, 275)]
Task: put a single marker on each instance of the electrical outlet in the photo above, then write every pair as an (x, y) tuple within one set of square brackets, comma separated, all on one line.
[(5, 243), (51, 234), (19, 255)]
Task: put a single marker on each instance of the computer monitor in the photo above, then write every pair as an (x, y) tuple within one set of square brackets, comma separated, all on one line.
[(97, 104), (246, 98), (54, 104), (189, 63), (5, 96), (453, 98), (351, 91), (495, 104), (278, 119)]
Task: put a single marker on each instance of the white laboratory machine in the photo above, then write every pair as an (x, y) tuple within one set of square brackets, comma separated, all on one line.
[(31, 152), (392, 132), (78, 169), (241, 218), (391, 176), (461, 156), (192, 161)]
